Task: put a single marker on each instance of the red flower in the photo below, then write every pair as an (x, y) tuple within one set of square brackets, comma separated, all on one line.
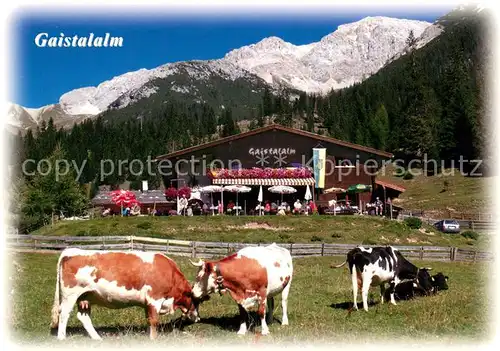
[(171, 193), (184, 191)]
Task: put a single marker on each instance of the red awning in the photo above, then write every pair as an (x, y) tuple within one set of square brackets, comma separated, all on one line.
[(264, 181), (390, 186)]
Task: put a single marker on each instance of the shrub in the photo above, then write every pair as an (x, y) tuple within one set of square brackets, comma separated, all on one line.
[(413, 222), (144, 225), (316, 238), (369, 241), (470, 234), (408, 175), (336, 235), (399, 172), (284, 236)]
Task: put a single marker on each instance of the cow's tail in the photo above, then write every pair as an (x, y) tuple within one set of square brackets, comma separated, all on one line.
[(57, 298), (338, 266)]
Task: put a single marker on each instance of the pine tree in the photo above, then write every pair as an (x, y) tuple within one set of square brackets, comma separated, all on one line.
[(310, 122), (379, 128), (49, 194), (267, 103), (229, 127)]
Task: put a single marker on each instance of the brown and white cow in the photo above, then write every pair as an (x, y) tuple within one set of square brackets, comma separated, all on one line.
[(119, 279), (253, 276)]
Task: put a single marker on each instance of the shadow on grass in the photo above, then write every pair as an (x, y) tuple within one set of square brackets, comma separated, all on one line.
[(233, 323), (162, 328), (350, 305)]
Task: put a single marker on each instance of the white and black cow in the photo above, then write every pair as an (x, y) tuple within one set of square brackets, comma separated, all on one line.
[(377, 266), (118, 279), (252, 276), (409, 289)]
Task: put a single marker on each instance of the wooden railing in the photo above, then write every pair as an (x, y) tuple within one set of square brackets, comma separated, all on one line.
[(464, 225), (199, 249), (464, 216)]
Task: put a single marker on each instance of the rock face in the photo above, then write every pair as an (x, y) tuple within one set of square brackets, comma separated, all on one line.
[(348, 55)]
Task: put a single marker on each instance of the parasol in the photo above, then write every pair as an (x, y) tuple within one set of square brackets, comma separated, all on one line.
[(210, 189), (260, 198), (123, 198), (308, 195), (358, 188), (237, 189), (282, 189), (334, 190)]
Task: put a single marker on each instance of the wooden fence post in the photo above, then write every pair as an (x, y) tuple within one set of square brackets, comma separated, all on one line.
[(471, 225), (322, 249), (228, 248), (421, 252), (131, 242), (193, 249), (291, 249), (475, 254)]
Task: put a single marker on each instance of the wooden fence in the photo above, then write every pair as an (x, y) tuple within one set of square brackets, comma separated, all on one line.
[(464, 224), (197, 249), (463, 216)]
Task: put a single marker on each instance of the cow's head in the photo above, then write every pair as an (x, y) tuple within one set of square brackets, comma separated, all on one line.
[(189, 307), (205, 283), (439, 282), (424, 280)]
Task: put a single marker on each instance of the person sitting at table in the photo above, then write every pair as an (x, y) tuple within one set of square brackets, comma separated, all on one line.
[(267, 208), (274, 207), (126, 211), (297, 207), (230, 206), (136, 210), (378, 207), (205, 209), (313, 207)]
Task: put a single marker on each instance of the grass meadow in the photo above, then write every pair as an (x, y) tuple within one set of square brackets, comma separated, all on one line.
[(319, 303)]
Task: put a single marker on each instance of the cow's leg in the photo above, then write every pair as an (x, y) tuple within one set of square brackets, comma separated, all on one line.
[(243, 317), (393, 290), (66, 308), (270, 310), (382, 293), (262, 315), (284, 302), (355, 286), (83, 316), (367, 278), (152, 316)]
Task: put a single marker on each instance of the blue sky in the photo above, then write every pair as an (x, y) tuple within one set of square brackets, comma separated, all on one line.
[(44, 74)]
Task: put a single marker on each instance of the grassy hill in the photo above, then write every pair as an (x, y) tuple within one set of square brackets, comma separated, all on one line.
[(440, 195), (314, 229)]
